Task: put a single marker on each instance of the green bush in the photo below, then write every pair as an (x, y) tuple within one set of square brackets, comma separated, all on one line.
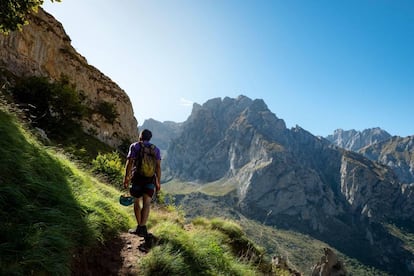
[(110, 166), (55, 107), (108, 111)]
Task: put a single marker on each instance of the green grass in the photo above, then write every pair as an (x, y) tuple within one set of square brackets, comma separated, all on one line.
[(48, 207), (203, 247), (217, 188), (178, 187)]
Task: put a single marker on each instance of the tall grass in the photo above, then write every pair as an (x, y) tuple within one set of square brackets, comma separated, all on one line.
[(48, 208), (203, 247)]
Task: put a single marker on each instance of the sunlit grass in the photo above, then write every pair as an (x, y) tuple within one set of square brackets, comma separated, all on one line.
[(216, 188), (204, 247), (177, 187)]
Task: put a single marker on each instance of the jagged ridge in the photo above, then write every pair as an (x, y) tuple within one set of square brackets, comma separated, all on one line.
[(293, 179)]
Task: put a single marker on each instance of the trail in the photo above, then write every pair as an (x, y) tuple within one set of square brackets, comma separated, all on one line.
[(130, 254), (119, 257)]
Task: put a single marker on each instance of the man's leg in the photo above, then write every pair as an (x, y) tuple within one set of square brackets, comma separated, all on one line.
[(146, 205), (137, 210)]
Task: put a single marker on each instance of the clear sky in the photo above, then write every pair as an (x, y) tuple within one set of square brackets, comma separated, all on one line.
[(319, 64)]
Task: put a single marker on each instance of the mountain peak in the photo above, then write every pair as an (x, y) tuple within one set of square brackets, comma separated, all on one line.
[(356, 140)]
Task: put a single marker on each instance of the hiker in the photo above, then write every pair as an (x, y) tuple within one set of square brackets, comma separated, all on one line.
[(143, 159)]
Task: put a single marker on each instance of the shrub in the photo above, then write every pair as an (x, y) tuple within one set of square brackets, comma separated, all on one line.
[(110, 166), (108, 111), (53, 106)]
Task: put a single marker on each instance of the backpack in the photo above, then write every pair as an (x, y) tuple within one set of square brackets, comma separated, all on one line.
[(145, 162)]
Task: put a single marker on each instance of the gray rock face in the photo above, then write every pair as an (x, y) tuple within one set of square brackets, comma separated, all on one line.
[(288, 173), (356, 140), (162, 132), (284, 172), (211, 140), (397, 153), (290, 178)]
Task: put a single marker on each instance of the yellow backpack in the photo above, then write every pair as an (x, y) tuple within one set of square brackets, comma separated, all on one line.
[(146, 160)]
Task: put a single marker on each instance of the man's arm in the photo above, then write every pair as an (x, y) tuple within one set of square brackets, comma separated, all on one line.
[(128, 168), (158, 175)]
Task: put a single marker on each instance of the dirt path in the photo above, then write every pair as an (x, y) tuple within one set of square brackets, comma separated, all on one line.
[(130, 254), (117, 258)]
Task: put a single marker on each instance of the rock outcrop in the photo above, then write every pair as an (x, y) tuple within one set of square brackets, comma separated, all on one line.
[(329, 265), (291, 173), (43, 48), (356, 140)]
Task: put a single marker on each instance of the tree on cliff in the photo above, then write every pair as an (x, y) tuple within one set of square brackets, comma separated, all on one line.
[(13, 13)]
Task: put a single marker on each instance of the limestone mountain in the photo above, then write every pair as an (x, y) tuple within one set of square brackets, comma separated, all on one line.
[(355, 140), (378, 145), (292, 179), (397, 153), (43, 48), (162, 132)]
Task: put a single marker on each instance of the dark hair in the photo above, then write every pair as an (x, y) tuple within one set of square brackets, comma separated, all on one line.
[(145, 135)]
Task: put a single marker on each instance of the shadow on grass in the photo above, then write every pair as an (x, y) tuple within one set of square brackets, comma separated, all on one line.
[(42, 223)]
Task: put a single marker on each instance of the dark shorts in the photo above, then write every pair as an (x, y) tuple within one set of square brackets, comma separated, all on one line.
[(138, 190)]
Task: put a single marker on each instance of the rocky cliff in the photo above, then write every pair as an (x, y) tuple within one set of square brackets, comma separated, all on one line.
[(43, 48), (397, 153), (162, 132), (356, 140), (292, 179)]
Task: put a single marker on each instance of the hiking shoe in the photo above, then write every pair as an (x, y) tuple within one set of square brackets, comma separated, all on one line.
[(142, 231), (133, 231), (144, 248)]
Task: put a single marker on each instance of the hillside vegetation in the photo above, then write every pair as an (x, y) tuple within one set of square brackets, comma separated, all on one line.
[(49, 209), (54, 212)]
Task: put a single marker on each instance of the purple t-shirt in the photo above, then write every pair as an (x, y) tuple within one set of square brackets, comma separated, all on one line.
[(134, 149)]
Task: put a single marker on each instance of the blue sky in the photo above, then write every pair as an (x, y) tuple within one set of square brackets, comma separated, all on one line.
[(318, 64)]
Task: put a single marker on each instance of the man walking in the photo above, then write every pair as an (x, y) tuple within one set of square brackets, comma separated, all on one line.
[(143, 171)]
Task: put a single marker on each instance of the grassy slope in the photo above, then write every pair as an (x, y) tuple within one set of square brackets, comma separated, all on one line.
[(200, 247), (51, 211), (49, 208)]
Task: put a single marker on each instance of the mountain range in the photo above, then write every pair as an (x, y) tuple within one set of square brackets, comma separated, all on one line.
[(233, 157), (345, 189)]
